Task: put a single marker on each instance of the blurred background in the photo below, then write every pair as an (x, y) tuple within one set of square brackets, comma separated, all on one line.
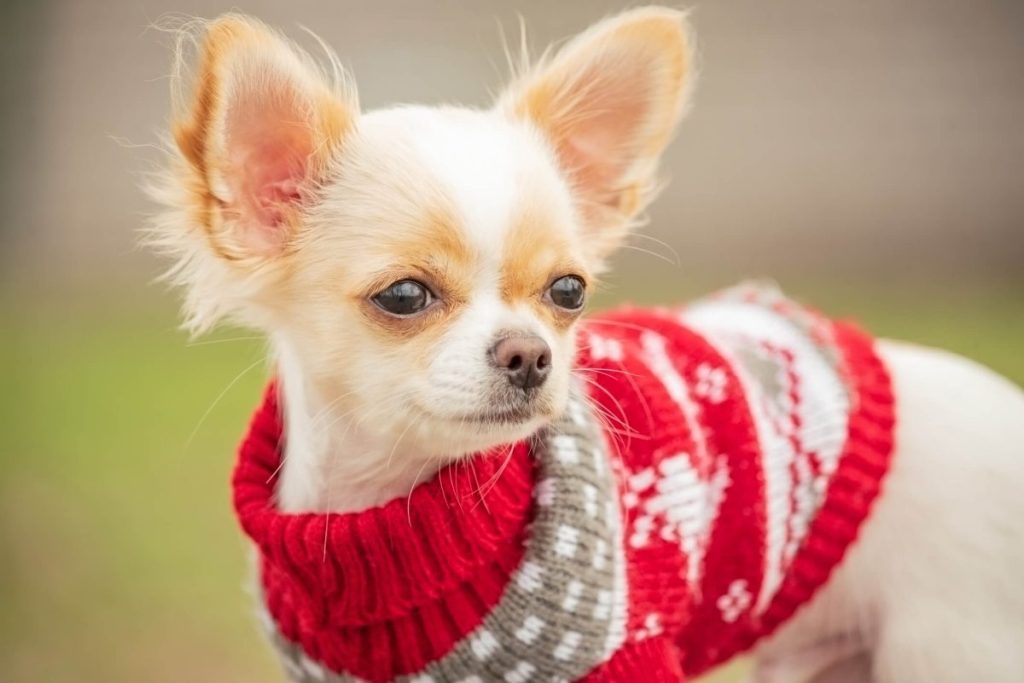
[(866, 155)]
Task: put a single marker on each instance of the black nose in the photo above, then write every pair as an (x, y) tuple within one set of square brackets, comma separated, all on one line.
[(526, 360)]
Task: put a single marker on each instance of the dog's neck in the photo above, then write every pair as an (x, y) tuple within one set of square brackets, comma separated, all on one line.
[(331, 462)]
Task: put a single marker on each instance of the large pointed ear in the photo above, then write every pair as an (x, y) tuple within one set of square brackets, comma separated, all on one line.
[(259, 129), (608, 103)]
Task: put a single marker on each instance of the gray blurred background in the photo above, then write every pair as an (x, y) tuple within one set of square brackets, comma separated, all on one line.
[(828, 138), (866, 154)]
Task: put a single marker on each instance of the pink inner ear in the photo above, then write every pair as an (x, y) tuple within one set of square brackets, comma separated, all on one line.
[(268, 156), (603, 140)]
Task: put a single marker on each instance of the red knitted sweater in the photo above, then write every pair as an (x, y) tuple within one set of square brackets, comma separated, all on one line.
[(746, 439)]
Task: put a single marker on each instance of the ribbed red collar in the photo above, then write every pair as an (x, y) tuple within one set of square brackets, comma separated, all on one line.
[(369, 566)]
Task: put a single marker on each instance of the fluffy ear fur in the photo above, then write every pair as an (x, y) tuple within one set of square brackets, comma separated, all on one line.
[(608, 102), (254, 136), (259, 132)]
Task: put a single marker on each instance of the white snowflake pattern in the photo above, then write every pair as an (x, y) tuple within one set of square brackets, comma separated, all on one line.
[(602, 347), (652, 627), (735, 601), (676, 506), (711, 383)]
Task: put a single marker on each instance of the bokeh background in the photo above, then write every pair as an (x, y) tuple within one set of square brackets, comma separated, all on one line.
[(867, 155)]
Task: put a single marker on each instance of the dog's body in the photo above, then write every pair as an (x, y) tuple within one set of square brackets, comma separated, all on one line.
[(929, 591), (419, 272)]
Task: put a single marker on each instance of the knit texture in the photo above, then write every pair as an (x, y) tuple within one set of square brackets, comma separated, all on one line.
[(712, 468)]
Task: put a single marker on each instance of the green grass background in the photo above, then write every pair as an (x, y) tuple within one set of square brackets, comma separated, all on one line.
[(120, 558)]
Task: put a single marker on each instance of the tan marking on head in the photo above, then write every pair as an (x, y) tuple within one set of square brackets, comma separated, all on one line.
[(433, 252), (536, 253), (442, 248)]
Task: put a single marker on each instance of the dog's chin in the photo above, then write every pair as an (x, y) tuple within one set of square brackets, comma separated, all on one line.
[(483, 431), (493, 420), (461, 434)]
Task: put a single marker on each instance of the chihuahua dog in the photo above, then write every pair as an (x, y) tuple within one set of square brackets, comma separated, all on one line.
[(420, 272)]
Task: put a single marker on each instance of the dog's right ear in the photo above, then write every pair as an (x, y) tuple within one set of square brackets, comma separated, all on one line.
[(258, 130), (608, 102)]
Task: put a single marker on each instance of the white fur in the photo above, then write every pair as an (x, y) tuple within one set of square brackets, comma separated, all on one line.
[(352, 461), (932, 591), (369, 414)]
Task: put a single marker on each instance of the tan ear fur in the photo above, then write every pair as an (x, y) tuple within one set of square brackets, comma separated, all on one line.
[(608, 103), (258, 132)]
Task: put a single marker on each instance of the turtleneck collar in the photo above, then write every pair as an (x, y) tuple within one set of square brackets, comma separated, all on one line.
[(375, 565)]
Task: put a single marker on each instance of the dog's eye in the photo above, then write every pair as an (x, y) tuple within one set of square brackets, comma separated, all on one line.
[(405, 297), (567, 292)]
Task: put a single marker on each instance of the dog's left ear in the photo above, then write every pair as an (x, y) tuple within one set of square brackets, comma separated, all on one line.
[(608, 103), (259, 130)]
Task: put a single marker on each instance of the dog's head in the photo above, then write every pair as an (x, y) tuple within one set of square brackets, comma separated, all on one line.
[(423, 267)]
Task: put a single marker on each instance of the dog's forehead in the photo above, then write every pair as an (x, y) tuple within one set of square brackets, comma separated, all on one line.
[(492, 171)]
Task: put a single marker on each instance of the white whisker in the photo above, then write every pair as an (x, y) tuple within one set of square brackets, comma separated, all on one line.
[(220, 396)]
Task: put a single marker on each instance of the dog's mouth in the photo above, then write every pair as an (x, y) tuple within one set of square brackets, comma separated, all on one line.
[(495, 414), (505, 416), (501, 417), (513, 410)]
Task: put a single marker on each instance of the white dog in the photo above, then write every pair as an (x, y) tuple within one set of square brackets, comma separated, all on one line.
[(384, 253)]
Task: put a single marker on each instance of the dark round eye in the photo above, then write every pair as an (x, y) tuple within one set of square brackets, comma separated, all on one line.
[(567, 292), (405, 297)]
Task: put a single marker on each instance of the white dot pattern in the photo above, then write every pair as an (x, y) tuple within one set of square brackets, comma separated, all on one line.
[(530, 630), (568, 538)]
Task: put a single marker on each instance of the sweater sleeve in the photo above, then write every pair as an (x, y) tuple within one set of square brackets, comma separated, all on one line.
[(655, 660)]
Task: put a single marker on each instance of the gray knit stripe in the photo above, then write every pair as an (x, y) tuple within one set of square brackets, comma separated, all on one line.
[(564, 609)]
